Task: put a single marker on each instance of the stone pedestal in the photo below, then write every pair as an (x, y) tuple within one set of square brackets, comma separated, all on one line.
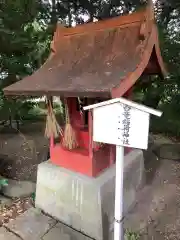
[(87, 204)]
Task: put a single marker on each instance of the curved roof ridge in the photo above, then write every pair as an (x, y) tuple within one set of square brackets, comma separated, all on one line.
[(102, 24), (87, 28), (99, 63), (118, 21)]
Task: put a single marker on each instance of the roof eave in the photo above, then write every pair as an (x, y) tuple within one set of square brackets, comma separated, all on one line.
[(164, 71), (131, 79), (88, 94)]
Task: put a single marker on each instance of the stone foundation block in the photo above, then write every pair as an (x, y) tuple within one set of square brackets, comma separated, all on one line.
[(87, 204)]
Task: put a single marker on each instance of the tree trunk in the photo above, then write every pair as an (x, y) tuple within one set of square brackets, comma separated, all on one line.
[(53, 14), (10, 121), (69, 15), (17, 122)]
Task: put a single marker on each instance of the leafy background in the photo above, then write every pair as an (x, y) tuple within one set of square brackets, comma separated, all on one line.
[(26, 30)]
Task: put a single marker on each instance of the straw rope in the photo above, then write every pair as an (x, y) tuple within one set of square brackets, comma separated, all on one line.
[(52, 126), (69, 138)]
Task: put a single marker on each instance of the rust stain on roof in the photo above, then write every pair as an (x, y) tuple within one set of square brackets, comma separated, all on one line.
[(92, 59)]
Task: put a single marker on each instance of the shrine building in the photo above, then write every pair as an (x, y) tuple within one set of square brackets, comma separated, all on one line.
[(91, 63)]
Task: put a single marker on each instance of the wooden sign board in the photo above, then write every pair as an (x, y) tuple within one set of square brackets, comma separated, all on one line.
[(121, 122)]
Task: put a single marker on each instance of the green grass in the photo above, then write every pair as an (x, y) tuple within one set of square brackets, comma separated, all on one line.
[(40, 112), (129, 235)]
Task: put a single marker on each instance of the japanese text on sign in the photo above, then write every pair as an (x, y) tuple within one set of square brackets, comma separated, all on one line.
[(125, 121), (126, 124)]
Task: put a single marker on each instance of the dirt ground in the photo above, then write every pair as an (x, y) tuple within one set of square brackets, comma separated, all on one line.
[(157, 213), (20, 153)]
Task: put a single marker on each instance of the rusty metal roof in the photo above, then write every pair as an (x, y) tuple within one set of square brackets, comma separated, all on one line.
[(92, 59)]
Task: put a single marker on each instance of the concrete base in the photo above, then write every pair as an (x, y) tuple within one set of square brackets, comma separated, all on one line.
[(87, 204)]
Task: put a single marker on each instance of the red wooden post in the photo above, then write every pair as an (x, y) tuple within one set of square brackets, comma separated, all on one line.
[(51, 141), (112, 155)]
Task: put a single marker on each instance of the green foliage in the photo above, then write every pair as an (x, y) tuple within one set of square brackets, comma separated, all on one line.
[(14, 108), (169, 123), (33, 196), (26, 29), (3, 182), (129, 235), (23, 40), (164, 93), (24, 46)]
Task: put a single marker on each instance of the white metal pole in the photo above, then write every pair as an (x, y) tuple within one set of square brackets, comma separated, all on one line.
[(118, 225)]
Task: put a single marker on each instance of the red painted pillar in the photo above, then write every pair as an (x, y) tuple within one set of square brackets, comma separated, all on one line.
[(112, 155), (74, 112)]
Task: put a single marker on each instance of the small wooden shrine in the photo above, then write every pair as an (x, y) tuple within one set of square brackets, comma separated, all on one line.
[(91, 63)]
